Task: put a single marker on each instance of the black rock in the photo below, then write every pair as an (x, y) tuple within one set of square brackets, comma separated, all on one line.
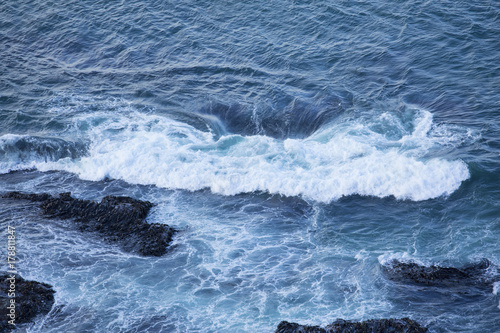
[(286, 327), (31, 196), (120, 219), (411, 272), (31, 299), (404, 325)]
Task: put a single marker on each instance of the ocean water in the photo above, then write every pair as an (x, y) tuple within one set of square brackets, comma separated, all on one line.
[(296, 146)]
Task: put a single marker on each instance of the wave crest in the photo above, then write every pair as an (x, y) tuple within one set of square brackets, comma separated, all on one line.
[(346, 157)]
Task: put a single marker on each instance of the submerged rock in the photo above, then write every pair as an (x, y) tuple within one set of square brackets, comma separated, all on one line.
[(411, 272), (404, 325), (119, 219), (31, 298)]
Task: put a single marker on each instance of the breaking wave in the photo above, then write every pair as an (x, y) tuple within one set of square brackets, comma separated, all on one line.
[(384, 155)]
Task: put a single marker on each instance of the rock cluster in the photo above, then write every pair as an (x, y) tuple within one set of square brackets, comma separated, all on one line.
[(119, 219), (404, 325)]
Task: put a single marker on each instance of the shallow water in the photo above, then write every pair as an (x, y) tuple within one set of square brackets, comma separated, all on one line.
[(296, 146)]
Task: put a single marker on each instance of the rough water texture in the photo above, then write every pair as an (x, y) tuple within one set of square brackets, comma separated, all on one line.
[(32, 299), (119, 219), (297, 146)]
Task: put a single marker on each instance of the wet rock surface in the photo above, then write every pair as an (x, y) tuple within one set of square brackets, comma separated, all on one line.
[(477, 274), (119, 219), (404, 325), (31, 298)]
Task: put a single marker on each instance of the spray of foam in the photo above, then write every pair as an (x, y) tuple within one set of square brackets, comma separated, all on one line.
[(347, 157), (387, 258)]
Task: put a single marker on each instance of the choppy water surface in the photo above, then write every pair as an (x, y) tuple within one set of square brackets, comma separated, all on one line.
[(295, 145)]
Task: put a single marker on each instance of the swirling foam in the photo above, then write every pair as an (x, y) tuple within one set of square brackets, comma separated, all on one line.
[(345, 158)]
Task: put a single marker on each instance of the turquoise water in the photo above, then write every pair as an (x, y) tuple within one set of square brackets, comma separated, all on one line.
[(296, 146)]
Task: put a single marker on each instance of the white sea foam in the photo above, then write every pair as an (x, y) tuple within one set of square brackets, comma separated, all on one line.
[(387, 258), (496, 287), (10, 138), (347, 157)]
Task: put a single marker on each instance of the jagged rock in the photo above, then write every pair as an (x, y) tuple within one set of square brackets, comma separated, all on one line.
[(411, 272), (404, 325), (31, 298), (119, 219)]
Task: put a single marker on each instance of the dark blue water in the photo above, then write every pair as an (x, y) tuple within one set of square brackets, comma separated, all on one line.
[(296, 145)]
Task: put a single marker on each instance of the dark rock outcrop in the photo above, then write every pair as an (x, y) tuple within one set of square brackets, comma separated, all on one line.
[(411, 272), (286, 327), (119, 219), (31, 299), (404, 325)]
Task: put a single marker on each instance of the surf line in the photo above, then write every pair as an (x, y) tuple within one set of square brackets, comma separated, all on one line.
[(11, 279)]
